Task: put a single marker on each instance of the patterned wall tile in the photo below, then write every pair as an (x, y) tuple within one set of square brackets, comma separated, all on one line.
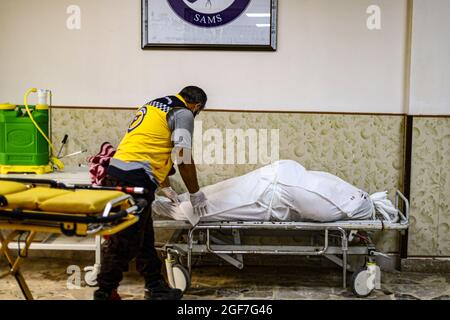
[(430, 188), (444, 209), (366, 151), (87, 130), (444, 204)]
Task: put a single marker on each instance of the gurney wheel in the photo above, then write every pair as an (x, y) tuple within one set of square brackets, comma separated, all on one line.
[(360, 285), (181, 277)]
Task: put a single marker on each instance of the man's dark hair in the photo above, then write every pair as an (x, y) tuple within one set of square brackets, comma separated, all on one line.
[(194, 94)]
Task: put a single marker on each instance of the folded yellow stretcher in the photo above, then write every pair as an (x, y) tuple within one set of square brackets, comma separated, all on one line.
[(29, 206)]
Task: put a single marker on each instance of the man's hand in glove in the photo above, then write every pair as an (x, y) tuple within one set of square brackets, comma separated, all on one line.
[(171, 194), (199, 203)]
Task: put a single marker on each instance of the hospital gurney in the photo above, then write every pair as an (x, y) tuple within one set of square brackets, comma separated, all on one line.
[(202, 240), (32, 206)]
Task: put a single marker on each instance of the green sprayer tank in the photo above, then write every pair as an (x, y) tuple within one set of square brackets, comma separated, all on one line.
[(21, 144)]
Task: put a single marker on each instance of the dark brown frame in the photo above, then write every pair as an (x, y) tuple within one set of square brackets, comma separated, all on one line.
[(269, 47)]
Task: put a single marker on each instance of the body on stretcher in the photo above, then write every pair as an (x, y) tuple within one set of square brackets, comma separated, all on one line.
[(283, 196), (189, 240), (43, 206)]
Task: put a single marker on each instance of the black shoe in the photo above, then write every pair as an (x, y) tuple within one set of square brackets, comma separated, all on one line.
[(105, 295), (159, 290)]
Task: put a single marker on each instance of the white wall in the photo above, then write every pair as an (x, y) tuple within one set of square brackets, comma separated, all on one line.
[(430, 69), (327, 60)]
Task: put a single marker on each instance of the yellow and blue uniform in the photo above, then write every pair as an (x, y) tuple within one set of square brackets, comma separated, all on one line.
[(144, 159), (149, 141)]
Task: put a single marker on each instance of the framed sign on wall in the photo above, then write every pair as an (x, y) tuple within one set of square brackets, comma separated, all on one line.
[(210, 24)]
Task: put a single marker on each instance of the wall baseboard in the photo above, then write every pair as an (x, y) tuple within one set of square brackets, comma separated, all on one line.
[(128, 108), (431, 264)]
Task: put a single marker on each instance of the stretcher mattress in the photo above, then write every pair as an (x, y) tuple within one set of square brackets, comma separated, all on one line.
[(34, 205), (26, 197)]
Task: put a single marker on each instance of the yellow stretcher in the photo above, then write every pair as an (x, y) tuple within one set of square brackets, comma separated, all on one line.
[(28, 207)]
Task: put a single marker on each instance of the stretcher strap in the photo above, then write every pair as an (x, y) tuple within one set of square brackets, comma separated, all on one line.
[(374, 210), (19, 239), (273, 185), (384, 206), (19, 214), (51, 183), (60, 185), (124, 189)]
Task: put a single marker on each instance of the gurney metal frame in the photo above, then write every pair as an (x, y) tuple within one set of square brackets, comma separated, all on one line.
[(69, 178), (31, 223), (232, 253)]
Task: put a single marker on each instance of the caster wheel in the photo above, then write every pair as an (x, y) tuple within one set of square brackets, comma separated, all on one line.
[(360, 283), (91, 276), (181, 277)]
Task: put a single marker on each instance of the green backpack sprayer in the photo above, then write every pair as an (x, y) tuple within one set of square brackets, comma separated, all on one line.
[(24, 131)]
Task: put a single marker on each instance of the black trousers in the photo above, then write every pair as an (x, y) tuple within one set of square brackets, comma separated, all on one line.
[(137, 241)]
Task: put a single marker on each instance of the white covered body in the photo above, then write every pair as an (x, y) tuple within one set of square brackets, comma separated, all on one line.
[(283, 191)]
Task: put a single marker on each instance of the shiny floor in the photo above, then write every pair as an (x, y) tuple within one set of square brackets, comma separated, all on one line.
[(48, 279)]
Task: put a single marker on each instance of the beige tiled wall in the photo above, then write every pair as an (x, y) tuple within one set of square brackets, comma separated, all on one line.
[(365, 150), (429, 234)]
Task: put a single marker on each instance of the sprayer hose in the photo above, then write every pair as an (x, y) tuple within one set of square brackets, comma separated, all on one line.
[(56, 161)]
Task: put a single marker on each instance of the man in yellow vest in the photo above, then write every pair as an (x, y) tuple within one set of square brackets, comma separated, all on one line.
[(160, 133)]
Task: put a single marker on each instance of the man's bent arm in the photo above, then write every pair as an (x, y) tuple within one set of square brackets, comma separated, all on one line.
[(165, 183), (188, 173)]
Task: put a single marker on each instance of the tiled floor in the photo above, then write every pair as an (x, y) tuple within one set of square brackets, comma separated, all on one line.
[(47, 279)]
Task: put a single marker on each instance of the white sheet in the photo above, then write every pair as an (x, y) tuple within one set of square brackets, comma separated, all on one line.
[(283, 191)]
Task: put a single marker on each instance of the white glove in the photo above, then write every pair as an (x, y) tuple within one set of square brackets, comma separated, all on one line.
[(171, 194), (199, 203)]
